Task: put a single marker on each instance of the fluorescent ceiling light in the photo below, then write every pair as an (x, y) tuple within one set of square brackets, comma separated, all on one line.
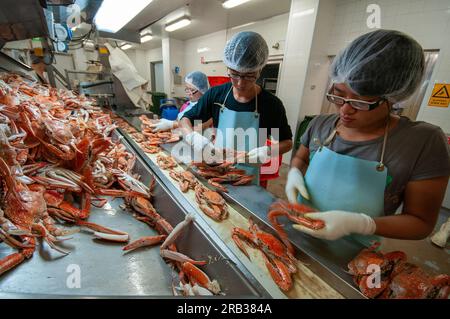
[(303, 13), (233, 3), (145, 31), (146, 37), (113, 15), (178, 24), (126, 46), (201, 50)]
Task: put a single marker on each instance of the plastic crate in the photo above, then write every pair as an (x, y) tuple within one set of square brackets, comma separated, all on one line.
[(217, 80)]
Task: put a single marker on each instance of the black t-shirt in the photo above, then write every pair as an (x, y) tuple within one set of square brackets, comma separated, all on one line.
[(270, 108)]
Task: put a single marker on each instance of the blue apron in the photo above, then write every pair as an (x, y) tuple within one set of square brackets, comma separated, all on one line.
[(341, 182), (230, 120)]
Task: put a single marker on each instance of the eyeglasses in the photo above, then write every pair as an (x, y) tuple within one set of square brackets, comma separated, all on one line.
[(190, 91), (356, 104), (236, 76)]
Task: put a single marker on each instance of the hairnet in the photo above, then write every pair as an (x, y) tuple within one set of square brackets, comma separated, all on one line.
[(246, 52), (380, 63), (199, 80)]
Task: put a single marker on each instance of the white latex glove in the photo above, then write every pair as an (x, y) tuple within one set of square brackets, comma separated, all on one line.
[(295, 183), (162, 125), (259, 155), (340, 223), (198, 141)]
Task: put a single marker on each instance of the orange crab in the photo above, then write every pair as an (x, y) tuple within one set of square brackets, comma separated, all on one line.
[(279, 261), (186, 180), (166, 162), (211, 203), (368, 260), (411, 282), (233, 178), (295, 213)]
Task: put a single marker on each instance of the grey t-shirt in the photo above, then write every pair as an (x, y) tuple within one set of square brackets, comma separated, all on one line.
[(414, 151)]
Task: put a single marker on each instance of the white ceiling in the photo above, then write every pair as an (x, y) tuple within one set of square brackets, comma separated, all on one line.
[(207, 16)]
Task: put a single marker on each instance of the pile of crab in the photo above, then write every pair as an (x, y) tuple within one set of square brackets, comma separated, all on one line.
[(224, 172), (148, 146), (278, 254), (154, 138), (390, 276), (56, 150), (209, 201)]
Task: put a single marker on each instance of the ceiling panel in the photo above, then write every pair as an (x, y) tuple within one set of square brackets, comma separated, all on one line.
[(207, 16)]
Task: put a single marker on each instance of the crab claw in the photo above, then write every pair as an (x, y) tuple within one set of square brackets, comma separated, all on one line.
[(200, 277)]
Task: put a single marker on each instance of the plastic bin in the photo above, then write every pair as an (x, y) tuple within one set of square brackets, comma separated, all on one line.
[(156, 101), (169, 109), (217, 80)]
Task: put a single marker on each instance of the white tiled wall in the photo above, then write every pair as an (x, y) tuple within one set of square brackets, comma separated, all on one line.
[(185, 53), (273, 30), (177, 59)]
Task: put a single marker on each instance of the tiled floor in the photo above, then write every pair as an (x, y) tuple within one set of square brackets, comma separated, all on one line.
[(276, 186)]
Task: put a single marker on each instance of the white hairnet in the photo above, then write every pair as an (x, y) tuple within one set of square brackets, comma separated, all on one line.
[(246, 52), (199, 80), (380, 63)]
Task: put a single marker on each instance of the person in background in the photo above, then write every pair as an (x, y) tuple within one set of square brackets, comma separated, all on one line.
[(38, 65), (241, 104), (196, 86), (358, 166)]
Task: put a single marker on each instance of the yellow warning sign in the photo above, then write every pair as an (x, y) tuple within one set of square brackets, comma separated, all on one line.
[(102, 50), (440, 96)]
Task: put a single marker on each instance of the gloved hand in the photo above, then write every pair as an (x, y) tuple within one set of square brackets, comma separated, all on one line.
[(340, 223), (259, 155), (198, 141), (295, 183), (162, 125)]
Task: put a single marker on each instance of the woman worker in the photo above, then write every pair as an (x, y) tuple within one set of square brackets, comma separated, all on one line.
[(242, 104), (196, 86), (38, 65), (361, 164)]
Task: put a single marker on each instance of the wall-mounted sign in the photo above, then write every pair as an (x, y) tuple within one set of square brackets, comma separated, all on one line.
[(440, 96)]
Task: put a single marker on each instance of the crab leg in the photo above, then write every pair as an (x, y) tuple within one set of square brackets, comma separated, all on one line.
[(53, 183), (200, 291), (237, 232), (10, 262), (173, 255), (99, 228), (279, 272), (177, 231), (112, 237), (145, 241), (200, 277), (11, 241)]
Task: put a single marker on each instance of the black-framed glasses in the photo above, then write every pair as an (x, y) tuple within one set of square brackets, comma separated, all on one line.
[(356, 104), (190, 91), (236, 76)]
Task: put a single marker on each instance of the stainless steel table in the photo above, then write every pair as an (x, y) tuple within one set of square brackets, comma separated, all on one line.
[(105, 271), (327, 259)]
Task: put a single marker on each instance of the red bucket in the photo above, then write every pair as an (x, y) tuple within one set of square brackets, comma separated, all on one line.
[(217, 80), (264, 178)]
